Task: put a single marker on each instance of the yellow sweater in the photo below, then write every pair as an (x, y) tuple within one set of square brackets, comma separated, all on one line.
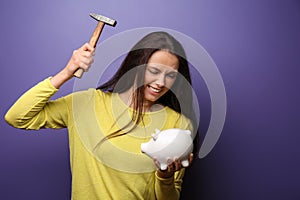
[(115, 169)]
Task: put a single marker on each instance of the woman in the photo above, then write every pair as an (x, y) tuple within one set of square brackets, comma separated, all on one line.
[(107, 125)]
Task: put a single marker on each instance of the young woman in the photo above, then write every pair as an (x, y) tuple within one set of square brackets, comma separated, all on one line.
[(106, 126)]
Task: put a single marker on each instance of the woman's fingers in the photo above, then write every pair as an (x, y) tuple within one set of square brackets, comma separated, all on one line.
[(176, 165), (157, 164), (191, 157), (83, 57), (172, 166), (81, 60), (87, 47)]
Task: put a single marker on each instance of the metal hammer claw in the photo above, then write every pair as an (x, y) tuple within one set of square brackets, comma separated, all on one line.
[(102, 20)]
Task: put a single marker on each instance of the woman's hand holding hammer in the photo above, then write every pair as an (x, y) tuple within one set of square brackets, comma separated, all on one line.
[(81, 58)]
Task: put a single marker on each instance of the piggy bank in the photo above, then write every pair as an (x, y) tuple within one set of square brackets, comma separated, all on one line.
[(169, 144)]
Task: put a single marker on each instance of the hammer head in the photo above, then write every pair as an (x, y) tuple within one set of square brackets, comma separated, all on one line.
[(104, 19)]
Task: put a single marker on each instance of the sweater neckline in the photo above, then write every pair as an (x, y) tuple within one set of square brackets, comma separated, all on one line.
[(125, 106)]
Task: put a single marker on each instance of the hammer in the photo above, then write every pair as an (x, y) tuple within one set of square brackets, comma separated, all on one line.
[(102, 20)]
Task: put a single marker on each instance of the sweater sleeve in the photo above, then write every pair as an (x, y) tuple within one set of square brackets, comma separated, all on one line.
[(169, 188), (34, 110)]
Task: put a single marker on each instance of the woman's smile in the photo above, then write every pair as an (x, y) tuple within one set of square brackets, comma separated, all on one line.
[(154, 89)]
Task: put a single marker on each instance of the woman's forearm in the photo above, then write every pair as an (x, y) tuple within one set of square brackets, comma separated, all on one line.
[(60, 78)]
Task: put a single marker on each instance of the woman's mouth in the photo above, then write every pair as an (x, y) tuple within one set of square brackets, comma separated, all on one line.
[(156, 90)]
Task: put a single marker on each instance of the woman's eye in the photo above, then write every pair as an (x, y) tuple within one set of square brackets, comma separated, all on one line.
[(172, 75), (153, 71)]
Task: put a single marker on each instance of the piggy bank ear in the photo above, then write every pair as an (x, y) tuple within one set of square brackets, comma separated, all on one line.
[(155, 135)]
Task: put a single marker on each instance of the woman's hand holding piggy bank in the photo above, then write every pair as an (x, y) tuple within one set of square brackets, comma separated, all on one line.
[(170, 149)]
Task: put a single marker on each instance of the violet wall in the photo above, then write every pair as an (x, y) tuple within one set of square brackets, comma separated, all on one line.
[(255, 45)]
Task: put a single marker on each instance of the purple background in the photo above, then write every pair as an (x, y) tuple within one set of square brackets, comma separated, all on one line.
[(256, 46)]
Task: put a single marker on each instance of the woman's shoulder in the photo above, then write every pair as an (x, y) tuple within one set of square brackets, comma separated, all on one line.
[(87, 95), (84, 100), (101, 94), (91, 92)]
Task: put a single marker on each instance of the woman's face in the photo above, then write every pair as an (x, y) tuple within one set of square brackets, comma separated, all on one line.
[(160, 75)]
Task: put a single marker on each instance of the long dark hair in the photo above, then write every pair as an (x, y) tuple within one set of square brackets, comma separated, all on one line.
[(178, 96)]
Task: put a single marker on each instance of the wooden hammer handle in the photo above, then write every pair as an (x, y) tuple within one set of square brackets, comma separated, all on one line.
[(93, 42)]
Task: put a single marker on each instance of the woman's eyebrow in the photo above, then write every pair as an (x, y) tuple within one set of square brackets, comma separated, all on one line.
[(153, 67), (173, 72), (156, 68)]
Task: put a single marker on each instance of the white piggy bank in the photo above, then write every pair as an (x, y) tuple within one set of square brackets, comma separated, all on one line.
[(169, 144)]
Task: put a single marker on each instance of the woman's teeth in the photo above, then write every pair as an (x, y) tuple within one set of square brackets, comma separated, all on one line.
[(154, 89)]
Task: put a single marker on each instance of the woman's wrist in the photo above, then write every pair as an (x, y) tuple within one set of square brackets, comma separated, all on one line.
[(164, 174), (60, 78)]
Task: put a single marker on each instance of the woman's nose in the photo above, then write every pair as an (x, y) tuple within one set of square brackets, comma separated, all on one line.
[(160, 81)]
